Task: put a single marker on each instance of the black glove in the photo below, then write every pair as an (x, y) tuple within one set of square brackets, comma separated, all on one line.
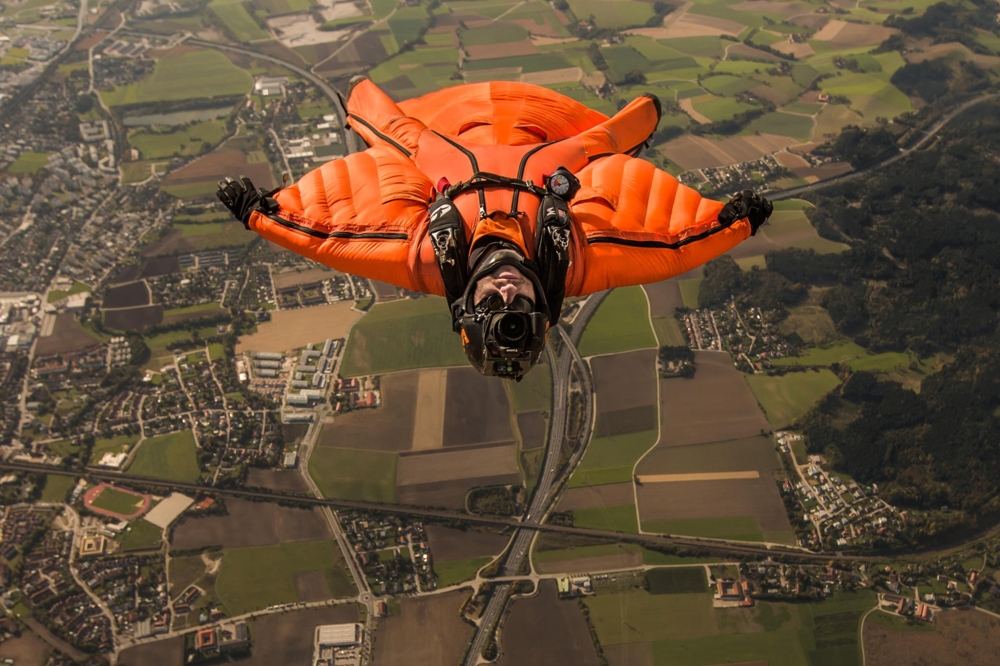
[(748, 205), (240, 197)]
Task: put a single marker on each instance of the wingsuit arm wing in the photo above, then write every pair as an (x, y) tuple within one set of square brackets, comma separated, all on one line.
[(636, 224), (358, 215)]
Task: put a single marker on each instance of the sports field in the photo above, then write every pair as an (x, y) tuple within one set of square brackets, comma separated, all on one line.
[(117, 501), (449, 573), (172, 457), (620, 324), (786, 398), (402, 335), (354, 474), (254, 578), (192, 75)]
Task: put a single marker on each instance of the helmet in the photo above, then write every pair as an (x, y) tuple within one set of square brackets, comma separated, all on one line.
[(501, 339)]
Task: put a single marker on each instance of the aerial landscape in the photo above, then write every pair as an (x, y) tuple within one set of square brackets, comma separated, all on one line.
[(215, 450)]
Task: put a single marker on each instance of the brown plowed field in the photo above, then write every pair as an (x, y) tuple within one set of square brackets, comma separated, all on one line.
[(217, 165), (752, 453), (715, 499), (155, 266), (626, 392), (544, 630), (449, 545), (134, 319), (596, 497), (289, 329), (431, 466), (251, 524), (67, 336), (287, 638), (312, 586), (969, 638), (664, 297), (294, 278), (27, 649), (387, 428), (533, 429), (754, 246), (127, 295), (428, 630), (384, 291), (716, 405), (282, 480), (592, 564), (448, 494), (476, 409), (161, 653)]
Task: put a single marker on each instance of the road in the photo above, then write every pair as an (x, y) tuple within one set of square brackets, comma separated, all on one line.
[(928, 135)]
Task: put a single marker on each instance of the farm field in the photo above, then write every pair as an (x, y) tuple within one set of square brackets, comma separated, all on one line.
[(161, 653), (610, 459), (788, 397), (287, 638), (133, 319), (127, 295), (714, 406), (404, 638), (476, 410), (970, 638), (457, 571), (544, 630), (192, 75), (402, 335), (354, 474), (625, 385), (736, 528), (256, 577), (677, 580), (185, 570), (185, 238), (290, 329), (442, 478), (449, 545), (620, 518), (171, 457), (620, 324), (250, 524), (388, 428), (751, 453), (185, 141), (199, 178), (812, 323)]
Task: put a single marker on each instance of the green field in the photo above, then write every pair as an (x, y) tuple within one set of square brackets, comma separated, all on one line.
[(614, 15), (254, 578), (449, 573), (117, 444), (172, 457), (677, 580), (193, 75), (534, 392), (668, 331), (77, 288), (719, 108), (786, 398), (812, 323), (727, 85), (842, 351), (141, 535), (689, 292), (738, 528), (112, 499), (402, 335), (57, 487), (611, 459), (207, 308), (184, 571), (620, 324), (187, 140), (782, 124), (354, 474), (237, 19), (494, 34), (639, 617), (650, 557), (621, 518), (28, 162)]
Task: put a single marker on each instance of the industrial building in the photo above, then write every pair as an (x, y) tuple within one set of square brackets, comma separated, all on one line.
[(337, 644), (268, 356)]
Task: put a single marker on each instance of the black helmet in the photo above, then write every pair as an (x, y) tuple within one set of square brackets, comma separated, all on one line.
[(501, 339)]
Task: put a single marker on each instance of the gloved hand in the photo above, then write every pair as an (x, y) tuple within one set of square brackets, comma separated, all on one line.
[(240, 197), (748, 205)]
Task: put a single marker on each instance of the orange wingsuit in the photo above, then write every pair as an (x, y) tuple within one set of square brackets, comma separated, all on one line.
[(367, 214)]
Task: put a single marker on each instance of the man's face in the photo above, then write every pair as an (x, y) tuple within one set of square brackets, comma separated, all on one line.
[(507, 281)]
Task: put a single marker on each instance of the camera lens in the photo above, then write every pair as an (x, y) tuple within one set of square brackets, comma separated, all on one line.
[(512, 328)]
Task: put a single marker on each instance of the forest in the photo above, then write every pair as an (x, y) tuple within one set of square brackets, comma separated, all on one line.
[(922, 274)]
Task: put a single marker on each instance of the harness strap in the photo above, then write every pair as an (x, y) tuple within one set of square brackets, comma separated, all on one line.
[(483, 179), (447, 232), (552, 251)]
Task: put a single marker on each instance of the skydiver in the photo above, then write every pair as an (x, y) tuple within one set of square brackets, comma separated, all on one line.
[(502, 197)]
